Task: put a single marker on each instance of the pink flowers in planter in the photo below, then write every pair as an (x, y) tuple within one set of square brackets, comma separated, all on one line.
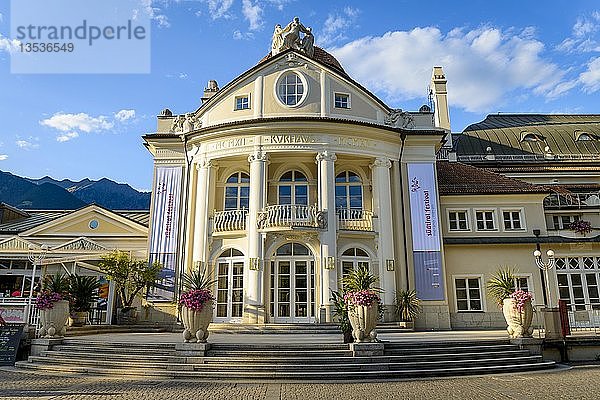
[(521, 297), (580, 226), (46, 300), (196, 299), (362, 298)]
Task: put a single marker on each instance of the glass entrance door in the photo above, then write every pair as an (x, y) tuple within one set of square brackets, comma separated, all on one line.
[(230, 290), (293, 285)]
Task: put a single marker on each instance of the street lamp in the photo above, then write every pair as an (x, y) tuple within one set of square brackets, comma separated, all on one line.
[(545, 266), (34, 256)]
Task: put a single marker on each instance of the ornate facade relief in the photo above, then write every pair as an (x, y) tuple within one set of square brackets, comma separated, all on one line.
[(289, 38), (400, 119)]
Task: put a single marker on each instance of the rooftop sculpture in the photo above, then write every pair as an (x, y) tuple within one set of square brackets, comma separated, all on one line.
[(289, 38)]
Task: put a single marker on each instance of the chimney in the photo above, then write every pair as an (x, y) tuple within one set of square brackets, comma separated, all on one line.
[(210, 90), (440, 98)]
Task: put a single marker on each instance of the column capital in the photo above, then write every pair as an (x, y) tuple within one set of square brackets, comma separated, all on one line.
[(326, 155), (205, 163), (381, 162), (258, 155)]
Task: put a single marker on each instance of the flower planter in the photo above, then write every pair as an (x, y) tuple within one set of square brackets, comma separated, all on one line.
[(78, 318), (54, 320), (519, 322), (363, 320), (196, 323)]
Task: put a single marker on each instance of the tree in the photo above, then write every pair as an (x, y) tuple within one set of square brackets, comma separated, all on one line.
[(129, 275)]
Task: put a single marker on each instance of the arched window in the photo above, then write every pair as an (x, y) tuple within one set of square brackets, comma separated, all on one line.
[(348, 191), (353, 258), (293, 188), (237, 191)]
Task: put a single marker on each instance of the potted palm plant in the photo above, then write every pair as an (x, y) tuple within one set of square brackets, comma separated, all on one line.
[(407, 306), (53, 303), (364, 303), (196, 304), (83, 291), (515, 304), (340, 313)]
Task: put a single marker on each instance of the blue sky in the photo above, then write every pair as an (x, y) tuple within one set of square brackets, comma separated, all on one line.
[(504, 56)]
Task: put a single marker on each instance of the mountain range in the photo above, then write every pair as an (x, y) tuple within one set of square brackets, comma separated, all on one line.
[(50, 194)]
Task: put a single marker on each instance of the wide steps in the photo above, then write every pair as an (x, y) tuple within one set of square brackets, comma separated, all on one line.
[(401, 360)]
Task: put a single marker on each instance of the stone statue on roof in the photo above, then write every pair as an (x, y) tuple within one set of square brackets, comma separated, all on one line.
[(289, 38)]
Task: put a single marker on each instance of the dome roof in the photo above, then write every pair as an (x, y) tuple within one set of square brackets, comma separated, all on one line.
[(321, 56)]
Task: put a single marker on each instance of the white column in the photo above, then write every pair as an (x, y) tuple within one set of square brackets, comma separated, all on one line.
[(328, 238), (201, 212), (382, 207), (258, 97), (254, 311)]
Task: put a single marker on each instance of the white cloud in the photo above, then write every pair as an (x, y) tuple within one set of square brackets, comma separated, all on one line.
[(124, 115), (336, 25), (67, 136), (238, 35), (219, 8), (82, 122), (279, 3), (27, 144), (3, 157), (483, 66), (252, 13), (590, 79), (154, 13), (9, 45), (583, 38)]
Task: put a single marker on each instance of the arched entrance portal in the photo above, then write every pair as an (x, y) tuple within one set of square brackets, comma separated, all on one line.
[(293, 284), (230, 286)]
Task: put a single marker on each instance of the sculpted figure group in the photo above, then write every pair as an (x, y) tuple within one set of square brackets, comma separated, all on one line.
[(289, 38)]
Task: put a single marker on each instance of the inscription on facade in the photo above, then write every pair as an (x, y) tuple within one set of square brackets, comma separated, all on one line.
[(290, 139), (230, 143), (349, 141)]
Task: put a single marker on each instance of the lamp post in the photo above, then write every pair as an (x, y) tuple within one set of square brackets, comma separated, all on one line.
[(545, 266), (34, 256)]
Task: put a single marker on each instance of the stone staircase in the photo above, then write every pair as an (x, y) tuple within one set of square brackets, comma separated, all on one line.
[(286, 361)]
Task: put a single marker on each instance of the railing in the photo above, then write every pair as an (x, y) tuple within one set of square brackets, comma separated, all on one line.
[(290, 215), (573, 200), (354, 219), (14, 310), (230, 220), (587, 320), (527, 157)]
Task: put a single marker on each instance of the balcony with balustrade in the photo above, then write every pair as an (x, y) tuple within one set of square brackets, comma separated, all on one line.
[(291, 216), (351, 219), (229, 221)]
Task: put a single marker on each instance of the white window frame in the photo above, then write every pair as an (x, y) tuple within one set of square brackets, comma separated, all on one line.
[(561, 225), (482, 296), (305, 86), (494, 219), (521, 212), (467, 214), (242, 96), (342, 94)]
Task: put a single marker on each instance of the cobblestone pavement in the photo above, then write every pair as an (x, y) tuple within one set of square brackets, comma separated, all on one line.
[(576, 383)]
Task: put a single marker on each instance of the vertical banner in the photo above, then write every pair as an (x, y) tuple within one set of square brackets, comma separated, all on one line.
[(427, 257), (166, 196)]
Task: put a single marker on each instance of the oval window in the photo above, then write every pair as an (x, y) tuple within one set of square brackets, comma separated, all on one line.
[(93, 224)]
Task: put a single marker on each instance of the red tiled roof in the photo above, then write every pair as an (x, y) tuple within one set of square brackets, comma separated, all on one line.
[(455, 178)]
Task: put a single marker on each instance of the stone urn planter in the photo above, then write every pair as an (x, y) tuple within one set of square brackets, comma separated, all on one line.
[(196, 323), (78, 318), (54, 320), (519, 321), (363, 320)]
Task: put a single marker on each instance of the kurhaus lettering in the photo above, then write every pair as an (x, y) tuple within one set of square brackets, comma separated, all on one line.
[(293, 139)]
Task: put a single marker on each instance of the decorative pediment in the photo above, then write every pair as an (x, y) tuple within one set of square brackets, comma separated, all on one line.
[(80, 244), (17, 243)]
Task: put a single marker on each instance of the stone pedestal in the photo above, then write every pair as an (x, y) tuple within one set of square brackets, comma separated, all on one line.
[(533, 345), (43, 344), (366, 349), (552, 323)]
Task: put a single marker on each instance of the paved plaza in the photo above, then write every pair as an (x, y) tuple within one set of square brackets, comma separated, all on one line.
[(574, 383)]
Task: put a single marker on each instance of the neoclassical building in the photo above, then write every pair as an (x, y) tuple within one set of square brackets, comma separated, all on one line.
[(291, 175)]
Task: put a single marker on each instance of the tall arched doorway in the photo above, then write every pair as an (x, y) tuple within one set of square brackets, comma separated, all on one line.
[(229, 272), (293, 284)]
